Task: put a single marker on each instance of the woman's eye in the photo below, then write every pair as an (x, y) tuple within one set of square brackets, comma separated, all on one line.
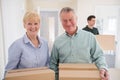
[(29, 23), (36, 24)]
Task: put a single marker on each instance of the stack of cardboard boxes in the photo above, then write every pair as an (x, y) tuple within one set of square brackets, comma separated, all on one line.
[(78, 72), (31, 74)]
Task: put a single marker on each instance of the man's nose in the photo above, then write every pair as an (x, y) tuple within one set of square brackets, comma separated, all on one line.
[(68, 23)]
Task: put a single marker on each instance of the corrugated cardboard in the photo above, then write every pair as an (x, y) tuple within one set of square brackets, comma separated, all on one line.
[(107, 42), (68, 71), (71, 66), (79, 75), (31, 74)]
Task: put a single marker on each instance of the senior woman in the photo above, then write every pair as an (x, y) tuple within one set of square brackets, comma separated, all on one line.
[(30, 51)]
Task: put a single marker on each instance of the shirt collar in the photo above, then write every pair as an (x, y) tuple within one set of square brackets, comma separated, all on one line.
[(89, 28), (73, 34), (27, 40)]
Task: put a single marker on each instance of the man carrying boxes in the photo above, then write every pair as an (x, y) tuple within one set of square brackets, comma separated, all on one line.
[(76, 46)]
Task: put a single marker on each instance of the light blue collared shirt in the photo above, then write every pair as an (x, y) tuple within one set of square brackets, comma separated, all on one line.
[(82, 47), (23, 54)]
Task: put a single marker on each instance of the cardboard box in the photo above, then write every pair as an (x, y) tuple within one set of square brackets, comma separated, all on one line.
[(78, 75), (31, 74), (68, 71), (72, 66), (107, 42)]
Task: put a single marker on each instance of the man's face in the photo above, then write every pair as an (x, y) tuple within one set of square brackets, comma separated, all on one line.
[(91, 22), (69, 22)]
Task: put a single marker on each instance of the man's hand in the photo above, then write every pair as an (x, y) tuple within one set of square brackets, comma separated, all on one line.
[(104, 74)]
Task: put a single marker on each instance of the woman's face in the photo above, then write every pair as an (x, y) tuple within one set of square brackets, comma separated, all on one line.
[(32, 27)]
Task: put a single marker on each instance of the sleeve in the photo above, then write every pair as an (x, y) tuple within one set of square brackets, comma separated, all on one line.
[(97, 54), (48, 56), (54, 61), (14, 54)]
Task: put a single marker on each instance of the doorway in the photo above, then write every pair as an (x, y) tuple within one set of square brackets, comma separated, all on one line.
[(49, 26)]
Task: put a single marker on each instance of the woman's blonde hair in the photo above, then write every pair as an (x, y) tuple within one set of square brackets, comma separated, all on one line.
[(31, 15)]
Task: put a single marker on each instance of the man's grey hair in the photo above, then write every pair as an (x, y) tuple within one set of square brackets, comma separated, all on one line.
[(67, 9)]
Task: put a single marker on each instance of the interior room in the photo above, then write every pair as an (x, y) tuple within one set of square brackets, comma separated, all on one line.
[(107, 14)]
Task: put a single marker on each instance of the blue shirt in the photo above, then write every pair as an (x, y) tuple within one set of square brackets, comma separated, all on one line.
[(23, 54)]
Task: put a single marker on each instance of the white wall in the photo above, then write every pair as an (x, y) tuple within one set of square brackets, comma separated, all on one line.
[(12, 11), (1, 47), (87, 7), (117, 64)]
